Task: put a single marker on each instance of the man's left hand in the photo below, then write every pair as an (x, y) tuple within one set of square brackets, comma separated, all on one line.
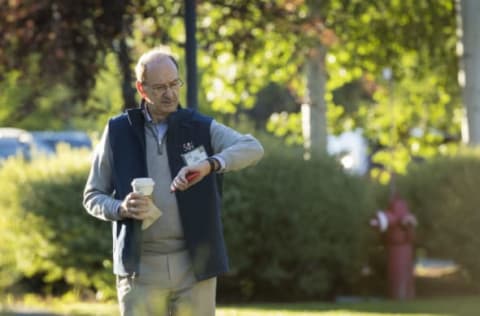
[(181, 183)]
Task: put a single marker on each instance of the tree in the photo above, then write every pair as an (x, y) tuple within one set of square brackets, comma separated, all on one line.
[(68, 36), (469, 75), (420, 112), (59, 44), (244, 46), (419, 115), (314, 110)]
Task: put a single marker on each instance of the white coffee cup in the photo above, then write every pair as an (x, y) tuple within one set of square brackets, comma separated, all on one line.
[(143, 185)]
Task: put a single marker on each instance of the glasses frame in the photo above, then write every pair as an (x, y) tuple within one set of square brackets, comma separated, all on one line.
[(162, 88)]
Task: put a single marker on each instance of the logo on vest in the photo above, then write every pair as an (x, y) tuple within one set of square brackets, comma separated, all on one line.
[(188, 146)]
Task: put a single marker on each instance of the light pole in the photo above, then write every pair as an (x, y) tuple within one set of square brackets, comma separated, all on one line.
[(191, 53)]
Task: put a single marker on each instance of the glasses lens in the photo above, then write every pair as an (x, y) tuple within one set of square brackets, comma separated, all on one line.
[(163, 88)]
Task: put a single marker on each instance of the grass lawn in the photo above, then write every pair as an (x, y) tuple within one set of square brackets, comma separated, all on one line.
[(465, 306), (461, 306)]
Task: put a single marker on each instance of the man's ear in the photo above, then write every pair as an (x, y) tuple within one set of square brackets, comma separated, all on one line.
[(140, 89)]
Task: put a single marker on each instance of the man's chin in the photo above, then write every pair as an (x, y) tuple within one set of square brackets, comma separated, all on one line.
[(170, 106)]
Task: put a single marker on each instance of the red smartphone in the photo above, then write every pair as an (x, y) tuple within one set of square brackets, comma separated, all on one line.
[(190, 177)]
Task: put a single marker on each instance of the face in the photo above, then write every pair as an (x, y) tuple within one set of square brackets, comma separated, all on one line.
[(160, 88)]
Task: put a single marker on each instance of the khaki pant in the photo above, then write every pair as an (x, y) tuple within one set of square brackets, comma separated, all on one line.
[(166, 286)]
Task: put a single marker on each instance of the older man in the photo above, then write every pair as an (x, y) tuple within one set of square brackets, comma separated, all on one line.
[(170, 267)]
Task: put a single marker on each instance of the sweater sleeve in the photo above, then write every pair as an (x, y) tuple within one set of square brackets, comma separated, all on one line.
[(98, 193), (234, 149)]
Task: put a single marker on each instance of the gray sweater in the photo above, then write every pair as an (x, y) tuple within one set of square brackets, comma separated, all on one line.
[(234, 150)]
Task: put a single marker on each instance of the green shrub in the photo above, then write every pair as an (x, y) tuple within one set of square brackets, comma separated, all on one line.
[(45, 230), (443, 193), (295, 229)]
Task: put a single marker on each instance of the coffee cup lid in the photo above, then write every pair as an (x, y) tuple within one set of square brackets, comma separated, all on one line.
[(143, 181)]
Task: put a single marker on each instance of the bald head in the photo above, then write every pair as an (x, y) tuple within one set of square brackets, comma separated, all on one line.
[(158, 83), (153, 59)]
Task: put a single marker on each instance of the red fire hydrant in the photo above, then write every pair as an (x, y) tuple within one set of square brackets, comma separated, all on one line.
[(397, 225)]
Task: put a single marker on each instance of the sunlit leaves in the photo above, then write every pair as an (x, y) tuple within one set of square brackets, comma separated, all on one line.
[(287, 126), (234, 70), (402, 35), (413, 116), (106, 97)]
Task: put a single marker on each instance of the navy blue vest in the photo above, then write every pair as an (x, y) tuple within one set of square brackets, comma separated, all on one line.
[(199, 206)]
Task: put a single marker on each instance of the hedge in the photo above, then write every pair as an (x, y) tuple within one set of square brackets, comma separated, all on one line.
[(443, 193), (294, 228), (46, 233)]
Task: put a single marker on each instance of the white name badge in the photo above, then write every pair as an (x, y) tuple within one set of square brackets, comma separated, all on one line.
[(195, 156)]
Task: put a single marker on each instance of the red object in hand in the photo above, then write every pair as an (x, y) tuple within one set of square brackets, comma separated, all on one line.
[(190, 177)]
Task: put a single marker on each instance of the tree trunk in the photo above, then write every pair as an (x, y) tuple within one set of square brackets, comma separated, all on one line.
[(314, 111), (128, 92), (469, 76)]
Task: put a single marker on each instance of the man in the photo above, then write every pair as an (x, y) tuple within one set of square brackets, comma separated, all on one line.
[(169, 268)]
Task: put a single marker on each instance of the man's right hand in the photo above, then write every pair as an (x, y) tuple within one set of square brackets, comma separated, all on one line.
[(135, 205)]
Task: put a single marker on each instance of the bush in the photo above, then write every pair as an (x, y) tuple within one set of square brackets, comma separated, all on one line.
[(46, 233), (443, 193), (295, 229)]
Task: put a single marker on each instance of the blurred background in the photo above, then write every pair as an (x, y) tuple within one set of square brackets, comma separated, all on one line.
[(353, 100)]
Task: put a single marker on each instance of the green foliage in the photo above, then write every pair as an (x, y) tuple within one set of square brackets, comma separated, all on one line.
[(296, 225), (243, 46), (286, 126), (45, 230), (417, 41), (28, 101), (443, 194), (312, 211), (301, 225), (247, 45), (12, 95), (69, 37), (273, 98), (105, 99), (415, 118), (376, 34)]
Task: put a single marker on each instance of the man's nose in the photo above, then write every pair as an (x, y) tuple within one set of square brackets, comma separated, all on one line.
[(169, 91)]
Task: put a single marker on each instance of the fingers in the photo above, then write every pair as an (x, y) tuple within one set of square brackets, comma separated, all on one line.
[(186, 177), (183, 183), (180, 182), (135, 206)]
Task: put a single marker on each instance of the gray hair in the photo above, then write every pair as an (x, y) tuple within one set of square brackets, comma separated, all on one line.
[(146, 58)]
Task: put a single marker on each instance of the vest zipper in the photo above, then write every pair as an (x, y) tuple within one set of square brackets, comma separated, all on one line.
[(158, 141)]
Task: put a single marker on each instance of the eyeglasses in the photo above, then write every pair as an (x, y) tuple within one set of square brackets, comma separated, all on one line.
[(162, 88)]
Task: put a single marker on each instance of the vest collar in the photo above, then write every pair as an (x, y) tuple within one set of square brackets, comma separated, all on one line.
[(140, 115), (137, 118)]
